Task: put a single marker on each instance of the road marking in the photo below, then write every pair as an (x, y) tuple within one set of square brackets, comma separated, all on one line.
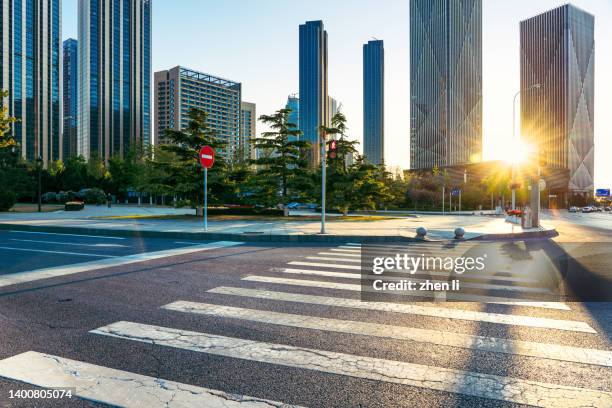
[(21, 277), (116, 387), (325, 265), (65, 234), (448, 313), (332, 254), (323, 258), (463, 297), (349, 275), (466, 341), (42, 251), (416, 375), (70, 243), (471, 285)]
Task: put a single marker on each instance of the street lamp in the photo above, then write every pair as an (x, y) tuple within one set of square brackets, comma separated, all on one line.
[(530, 88), (39, 162)]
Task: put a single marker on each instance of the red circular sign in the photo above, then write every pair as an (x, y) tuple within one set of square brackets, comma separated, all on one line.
[(207, 157)]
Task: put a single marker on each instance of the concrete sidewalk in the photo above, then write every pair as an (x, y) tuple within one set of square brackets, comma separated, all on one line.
[(91, 220)]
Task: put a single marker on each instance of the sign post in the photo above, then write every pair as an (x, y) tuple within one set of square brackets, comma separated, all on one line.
[(207, 159), (323, 180)]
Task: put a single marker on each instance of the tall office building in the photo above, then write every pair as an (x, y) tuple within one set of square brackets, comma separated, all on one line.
[(374, 101), (30, 55), (114, 76), (69, 137), (313, 84), (558, 52), (293, 103), (332, 108), (445, 82), (179, 89), (248, 129)]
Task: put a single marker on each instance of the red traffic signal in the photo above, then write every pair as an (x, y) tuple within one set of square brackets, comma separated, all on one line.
[(333, 146)]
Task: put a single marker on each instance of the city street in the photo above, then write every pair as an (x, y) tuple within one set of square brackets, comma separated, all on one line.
[(169, 323)]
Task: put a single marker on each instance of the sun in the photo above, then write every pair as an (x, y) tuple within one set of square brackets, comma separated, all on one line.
[(517, 152)]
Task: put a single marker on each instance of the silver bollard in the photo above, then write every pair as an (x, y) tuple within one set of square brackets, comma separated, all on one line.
[(421, 232), (459, 233)]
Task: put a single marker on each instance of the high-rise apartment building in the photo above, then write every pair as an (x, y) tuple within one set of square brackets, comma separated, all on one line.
[(114, 77), (70, 95), (248, 129), (293, 103), (558, 54), (180, 89), (374, 101), (314, 110), (332, 108), (445, 82), (30, 56)]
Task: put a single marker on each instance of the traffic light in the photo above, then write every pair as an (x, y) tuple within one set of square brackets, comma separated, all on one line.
[(333, 149)]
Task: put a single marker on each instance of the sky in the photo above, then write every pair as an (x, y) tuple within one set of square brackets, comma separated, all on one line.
[(255, 42)]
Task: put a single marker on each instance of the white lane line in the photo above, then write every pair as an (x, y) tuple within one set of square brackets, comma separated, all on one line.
[(503, 318), (441, 338), (71, 235), (445, 274), (465, 284), (429, 377), (116, 387), (69, 243), (326, 265), (453, 296), (21, 277), (323, 258), (42, 251), (332, 254)]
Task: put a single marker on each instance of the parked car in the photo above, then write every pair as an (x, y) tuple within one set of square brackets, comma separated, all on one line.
[(586, 210), (573, 209), (608, 209)]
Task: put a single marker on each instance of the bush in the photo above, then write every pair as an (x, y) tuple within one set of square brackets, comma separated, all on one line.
[(94, 196), (7, 200), (64, 196)]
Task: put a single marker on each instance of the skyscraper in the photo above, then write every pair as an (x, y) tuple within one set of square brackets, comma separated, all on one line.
[(313, 84), (558, 52), (69, 137), (179, 89), (374, 101), (293, 103), (445, 82), (248, 126), (114, 76), (30, 54)]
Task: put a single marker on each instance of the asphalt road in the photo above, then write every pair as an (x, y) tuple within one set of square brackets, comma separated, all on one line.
[(168, 331)]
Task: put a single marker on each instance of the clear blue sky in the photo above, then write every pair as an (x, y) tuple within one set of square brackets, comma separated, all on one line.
[(255, 42)]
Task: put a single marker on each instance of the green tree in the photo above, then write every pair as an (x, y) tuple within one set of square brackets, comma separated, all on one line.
[(285, 167), (11, 172), (181, 163)]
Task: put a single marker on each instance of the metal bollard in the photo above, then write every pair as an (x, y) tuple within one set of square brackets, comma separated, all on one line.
[(459, 233), (421, 232)]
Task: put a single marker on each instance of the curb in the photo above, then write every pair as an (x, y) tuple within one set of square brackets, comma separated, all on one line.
[(246, 237), (549, 233)]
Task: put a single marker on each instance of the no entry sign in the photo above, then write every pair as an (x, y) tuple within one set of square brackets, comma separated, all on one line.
[(207, 157)]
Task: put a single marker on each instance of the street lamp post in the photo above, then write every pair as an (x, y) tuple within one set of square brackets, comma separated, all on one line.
[(532, 87), (323, 180), (39, 162)]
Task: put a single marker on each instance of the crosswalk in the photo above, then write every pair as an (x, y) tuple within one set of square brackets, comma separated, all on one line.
[(282, 297)]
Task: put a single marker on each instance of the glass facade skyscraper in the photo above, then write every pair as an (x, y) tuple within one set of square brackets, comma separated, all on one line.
[(30, 55), (114, 76), (445, 82), (69, 137), (293, 103), (374, 101), (314, 111), (558, 52), (180, 89)]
